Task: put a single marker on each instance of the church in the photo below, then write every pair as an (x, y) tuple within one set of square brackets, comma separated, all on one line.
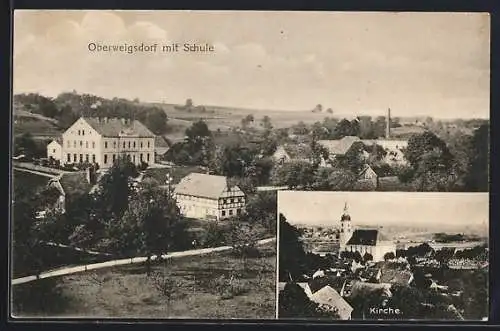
[(363, 240)]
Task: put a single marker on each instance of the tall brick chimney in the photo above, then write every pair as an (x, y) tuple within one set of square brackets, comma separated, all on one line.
[(388, 124)]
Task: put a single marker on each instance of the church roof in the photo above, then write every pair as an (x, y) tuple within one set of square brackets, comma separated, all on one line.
[(368, 237), (113, 127)]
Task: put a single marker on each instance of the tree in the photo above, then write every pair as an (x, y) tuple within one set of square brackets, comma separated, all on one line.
[(294, 174), (367, 257), (319, 153), (114, 189), (477, 178), (318, 108), (266, 123), (300, 128), (214, 235), (389, 256), (357, 257), (197, 131), (430, 163), (261, 209), (294, 303), (292, 257), (247, 120), (150, 225), (189, 104), (319, 131), (25, 144), (243, 236), (407, 299), (353, 160), (234, 160), (330, 179), (343, 128)]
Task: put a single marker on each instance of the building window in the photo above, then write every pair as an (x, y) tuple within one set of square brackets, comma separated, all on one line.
[(129, 144), (81, 143), (238, 211), (81, 158), (148, 144), (74, 158), (78, 132), (93, 158), (114, 158), (141, 144), (69, 158), (105, 158), (141, 157), (74, 144), (93, 144), (223, 213), (86, 144), (54, 150), (147, 157), (230, 212), (87, 158), (232, 200), (123, 144), (83, 132), (134, 144), (105, 144), (133, 158), (114, 144)]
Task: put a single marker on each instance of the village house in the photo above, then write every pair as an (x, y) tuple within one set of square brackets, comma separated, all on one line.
[(292, 152), (367, 179), (54, 149), (394, 148), (103, 140), (161, 148), (329, 298), (364, 241), (204, 196)]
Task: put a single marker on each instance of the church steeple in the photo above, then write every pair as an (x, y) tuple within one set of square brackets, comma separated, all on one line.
[(345, 215), (345, 226)]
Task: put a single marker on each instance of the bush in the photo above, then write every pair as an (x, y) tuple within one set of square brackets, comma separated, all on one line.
[(229, 287)]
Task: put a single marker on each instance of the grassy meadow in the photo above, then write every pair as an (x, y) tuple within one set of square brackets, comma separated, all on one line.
[(216, 285)]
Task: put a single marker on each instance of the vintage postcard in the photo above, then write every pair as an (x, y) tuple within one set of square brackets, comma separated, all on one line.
[(383, 255), (149, 148)]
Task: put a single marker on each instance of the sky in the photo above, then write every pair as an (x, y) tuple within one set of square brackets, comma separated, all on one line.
[(415, 63), (385, 208)]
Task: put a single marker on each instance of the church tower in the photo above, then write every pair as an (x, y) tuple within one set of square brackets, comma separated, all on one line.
[(345, 227)]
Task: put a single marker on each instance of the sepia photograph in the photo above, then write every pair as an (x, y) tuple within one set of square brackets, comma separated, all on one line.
[(149, 149), (383, 255)]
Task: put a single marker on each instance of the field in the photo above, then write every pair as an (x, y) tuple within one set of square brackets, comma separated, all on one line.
[(218, 285)]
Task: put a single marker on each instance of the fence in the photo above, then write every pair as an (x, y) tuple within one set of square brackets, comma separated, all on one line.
[(133, 260)]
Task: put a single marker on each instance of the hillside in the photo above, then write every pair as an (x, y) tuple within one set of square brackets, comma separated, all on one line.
[(38, 125)]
